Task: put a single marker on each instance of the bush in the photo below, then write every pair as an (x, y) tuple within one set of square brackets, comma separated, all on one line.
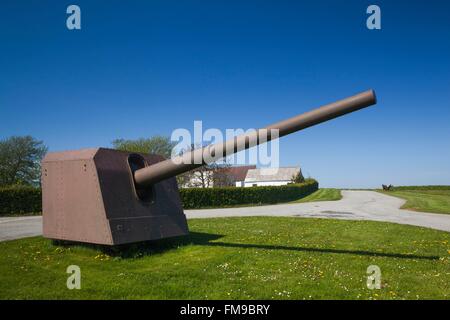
[(194, 198), (20, 200), (27, 200)]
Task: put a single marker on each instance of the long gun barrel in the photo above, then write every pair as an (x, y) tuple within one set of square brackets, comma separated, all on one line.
[(196, 158), (113, 197)]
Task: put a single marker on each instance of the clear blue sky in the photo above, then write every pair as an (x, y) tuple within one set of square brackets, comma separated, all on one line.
[(140, 68)]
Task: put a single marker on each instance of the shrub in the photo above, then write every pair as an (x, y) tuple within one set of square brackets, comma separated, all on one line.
[(26, 200), (19, 200), (194, 198), (298, 178)]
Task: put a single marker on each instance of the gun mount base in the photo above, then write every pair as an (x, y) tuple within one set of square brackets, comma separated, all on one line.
[(90, 196)]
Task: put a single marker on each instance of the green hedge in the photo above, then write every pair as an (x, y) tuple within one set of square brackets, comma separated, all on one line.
[(195, 198), (26, 200), (433, 187), (19, 200)]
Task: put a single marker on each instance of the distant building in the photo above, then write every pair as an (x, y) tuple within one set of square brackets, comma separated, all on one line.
[(270, 176), (234, 176)]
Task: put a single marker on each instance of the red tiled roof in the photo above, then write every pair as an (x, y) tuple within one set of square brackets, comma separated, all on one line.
[(238, 173)]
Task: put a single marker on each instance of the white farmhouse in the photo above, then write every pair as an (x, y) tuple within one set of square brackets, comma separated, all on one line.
[(270, 176)]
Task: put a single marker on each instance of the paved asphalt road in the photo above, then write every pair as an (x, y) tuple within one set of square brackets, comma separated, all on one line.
[(20, 227), (355, 205)]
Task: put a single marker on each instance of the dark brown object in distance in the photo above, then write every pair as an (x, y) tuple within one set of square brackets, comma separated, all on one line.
[(112, 197)]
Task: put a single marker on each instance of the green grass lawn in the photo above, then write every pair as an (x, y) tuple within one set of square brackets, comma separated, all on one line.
[(240, 258), (326, 194), (437, 201)]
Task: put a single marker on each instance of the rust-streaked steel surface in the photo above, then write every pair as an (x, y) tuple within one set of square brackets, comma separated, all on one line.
[(184, 163), (89, 196)]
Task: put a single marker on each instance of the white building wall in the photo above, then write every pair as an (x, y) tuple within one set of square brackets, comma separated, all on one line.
[(266, 183)]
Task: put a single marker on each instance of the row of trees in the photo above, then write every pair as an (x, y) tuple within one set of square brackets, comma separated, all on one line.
[(20, 158)]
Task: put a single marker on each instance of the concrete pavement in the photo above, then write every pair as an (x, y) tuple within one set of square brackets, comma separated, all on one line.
[(355, 205), (20, 227)]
